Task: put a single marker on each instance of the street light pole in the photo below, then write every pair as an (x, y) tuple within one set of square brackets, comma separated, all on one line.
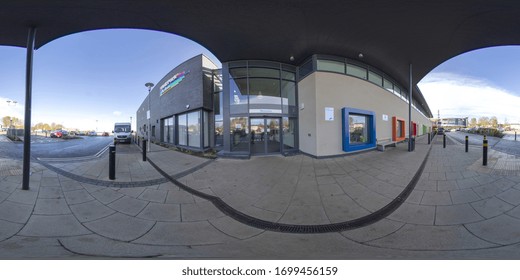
[(149, 114)]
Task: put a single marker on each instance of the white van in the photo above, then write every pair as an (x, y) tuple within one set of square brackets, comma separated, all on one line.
[(122, 132)]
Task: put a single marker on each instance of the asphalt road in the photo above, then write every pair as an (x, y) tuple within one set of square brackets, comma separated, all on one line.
[(42, 147)]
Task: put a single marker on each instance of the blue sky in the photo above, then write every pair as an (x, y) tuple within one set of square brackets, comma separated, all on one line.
[(100, 75), (89, 76)]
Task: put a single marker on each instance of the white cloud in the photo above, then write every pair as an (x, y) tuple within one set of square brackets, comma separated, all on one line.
[(117, 113), (462, 96)]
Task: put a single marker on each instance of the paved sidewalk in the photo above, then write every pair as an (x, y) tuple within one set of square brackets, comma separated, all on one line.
[(458, 209)]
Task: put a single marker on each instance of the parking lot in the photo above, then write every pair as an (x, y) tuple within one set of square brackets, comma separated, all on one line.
[(46, 147)]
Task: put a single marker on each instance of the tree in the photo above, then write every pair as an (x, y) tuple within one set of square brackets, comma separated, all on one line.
[(483, 121), (473, 122), (493, 122), (6, 121)]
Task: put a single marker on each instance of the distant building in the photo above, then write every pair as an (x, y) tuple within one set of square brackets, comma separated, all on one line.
[(451, 122)]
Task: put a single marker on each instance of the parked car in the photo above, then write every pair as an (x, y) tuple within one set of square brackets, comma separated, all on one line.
[(59, 133), (440, 131), (92, 133), (104, 134)]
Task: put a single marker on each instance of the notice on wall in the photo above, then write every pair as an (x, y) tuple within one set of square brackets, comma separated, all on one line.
[(385, 117), (148, 114), (329, 114)]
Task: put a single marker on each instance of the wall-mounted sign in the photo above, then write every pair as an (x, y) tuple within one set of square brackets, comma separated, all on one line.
[(385, 117), (173, 82), (329, 114)]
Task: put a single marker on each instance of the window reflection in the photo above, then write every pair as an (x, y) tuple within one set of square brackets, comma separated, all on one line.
[(239, 129), (358, 129)]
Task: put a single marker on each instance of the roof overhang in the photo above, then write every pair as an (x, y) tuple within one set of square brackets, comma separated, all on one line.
[(391, 35)]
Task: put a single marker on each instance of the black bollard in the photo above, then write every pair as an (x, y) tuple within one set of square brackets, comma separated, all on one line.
[(112, 162), (413, 143), (484, 152), (467, 142), (444, 140), (429, 138), (515, 135), (144, 150)]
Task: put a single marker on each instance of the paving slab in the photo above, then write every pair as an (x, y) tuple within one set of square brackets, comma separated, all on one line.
[(107, 195), (374, 231), (24, 197), (55, 225), (414, 214), (422, 237), (15, 212), (161, 212), (120, 227), (491, 207), (305, 215), (129, 205), (464, 196), (456, 215), (192, 234), (78, 196), (436, 198), (502, 229), (234, 229), (90, 211), (8, 229), (51, 206), (154, 195)]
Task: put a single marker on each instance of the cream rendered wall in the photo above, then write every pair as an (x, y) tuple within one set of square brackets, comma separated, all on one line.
[(307, 114), (338, 91)]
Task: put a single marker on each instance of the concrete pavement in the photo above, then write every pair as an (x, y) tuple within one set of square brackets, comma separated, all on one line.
[(457, 209)]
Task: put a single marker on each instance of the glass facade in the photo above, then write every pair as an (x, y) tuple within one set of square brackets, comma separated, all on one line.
[(193, 129), (239, 134), (260, 91), (168, 130)]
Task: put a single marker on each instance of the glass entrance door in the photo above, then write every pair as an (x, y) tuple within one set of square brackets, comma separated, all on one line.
[(265, 135)]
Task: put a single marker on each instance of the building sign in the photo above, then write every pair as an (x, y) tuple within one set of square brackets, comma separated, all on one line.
[(173, 82), (385, 117)]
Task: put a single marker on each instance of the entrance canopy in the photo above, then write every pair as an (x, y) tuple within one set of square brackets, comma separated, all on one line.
[(390, 35)]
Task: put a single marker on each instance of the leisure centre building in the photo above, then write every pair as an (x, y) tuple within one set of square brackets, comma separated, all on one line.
[(327, 106)]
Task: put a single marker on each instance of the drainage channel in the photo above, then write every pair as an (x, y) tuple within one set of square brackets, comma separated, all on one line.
[(304, 229), (101, 182)]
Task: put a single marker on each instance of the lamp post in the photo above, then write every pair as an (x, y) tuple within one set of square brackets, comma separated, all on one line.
[(14, 102), (149, 114)]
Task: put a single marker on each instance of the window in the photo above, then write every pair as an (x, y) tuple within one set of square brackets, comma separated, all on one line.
[(306, 68), (168, 133), (289, 132), (239, 129), (388, 85), (331, 66), (238, 98), (264, 73), (289, 98), (183, 130), (194, 129), (359, 129), (356, 71), (206, 128), (375, 78), (264, 96)]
